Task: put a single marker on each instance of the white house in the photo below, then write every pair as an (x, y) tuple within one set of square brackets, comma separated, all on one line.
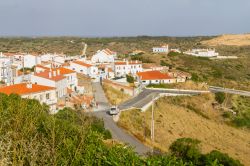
[(202, 52), (7, 70), (51, 78), (154, 77), (84, 68), (44, 94), (30, 60), (162, 49), (104, 56), (122, 68), (56, 59), (72, 81)]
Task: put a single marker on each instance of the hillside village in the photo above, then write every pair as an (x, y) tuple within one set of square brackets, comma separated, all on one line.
[(53, 78)]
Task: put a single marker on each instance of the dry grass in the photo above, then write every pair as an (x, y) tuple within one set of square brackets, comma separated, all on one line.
[(173, 121), (230, 40), (114, 96)]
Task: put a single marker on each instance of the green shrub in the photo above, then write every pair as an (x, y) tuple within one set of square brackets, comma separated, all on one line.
[(186, 149), (221, 159), (130, 79), (220, 97), (195, 77)]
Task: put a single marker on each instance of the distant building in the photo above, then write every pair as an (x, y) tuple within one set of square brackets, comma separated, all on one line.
[(122, 68), (154, 77), (44, 94), (153, 67), (104, 56), (162, 49), (175, 50), (202, 52)]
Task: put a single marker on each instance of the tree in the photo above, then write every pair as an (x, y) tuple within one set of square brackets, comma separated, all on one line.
[(130, 79)]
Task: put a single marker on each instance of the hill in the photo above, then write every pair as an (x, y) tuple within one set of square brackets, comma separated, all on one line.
[(193, 117), (229, 40)]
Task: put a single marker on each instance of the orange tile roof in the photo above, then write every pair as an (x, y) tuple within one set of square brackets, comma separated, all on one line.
[(129, 62), (65, 70), (53, 77), (22, 89), (61, 69), (153, 75), (82, 63)]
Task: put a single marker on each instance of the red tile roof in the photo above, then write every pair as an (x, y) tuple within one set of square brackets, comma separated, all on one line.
[(22, 89), (153, 75), (61, 69), (108, 51), (82, 63), (53, 77)]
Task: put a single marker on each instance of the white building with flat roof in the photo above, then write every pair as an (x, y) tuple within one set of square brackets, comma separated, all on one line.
[(162, 49), (202, 52), (122, 68)]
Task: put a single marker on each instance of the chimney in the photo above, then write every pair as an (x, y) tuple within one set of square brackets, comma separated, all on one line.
[(58, 72), (54, 73), (29, 85), (50, 74)]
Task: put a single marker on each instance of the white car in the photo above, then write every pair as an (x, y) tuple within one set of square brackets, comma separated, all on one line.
[(113, 110)]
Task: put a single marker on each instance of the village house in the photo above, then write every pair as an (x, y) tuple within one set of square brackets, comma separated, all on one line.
[(104, 56), (154, 77), (180, 76), (84, 68), (72, 81), (44, 94), (30, 60), (51, 78), (202, 52), (122, 68), (8, 71), (105, 71), (162, 49)]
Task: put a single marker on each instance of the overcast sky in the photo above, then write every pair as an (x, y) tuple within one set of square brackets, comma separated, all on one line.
[(123, 17)]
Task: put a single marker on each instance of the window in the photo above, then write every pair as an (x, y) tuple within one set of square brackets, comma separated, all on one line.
[(47, 96)]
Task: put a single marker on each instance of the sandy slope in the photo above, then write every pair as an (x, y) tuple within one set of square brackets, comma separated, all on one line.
[(173, 122), (234, 40)]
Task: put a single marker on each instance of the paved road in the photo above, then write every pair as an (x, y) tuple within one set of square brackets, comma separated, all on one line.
[(147, 94), (117, 132), (226, 90), (100, 97), (120, 134)]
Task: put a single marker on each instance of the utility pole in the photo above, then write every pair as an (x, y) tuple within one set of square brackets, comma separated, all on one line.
[(152, 125)]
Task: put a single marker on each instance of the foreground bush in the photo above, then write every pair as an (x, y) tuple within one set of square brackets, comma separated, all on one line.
[(30, 136)]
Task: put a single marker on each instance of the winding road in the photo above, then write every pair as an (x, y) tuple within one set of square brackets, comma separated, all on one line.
[(117, 132), (138, 102)]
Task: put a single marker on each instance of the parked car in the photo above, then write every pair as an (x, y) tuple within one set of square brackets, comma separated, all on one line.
[(114, 110)]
